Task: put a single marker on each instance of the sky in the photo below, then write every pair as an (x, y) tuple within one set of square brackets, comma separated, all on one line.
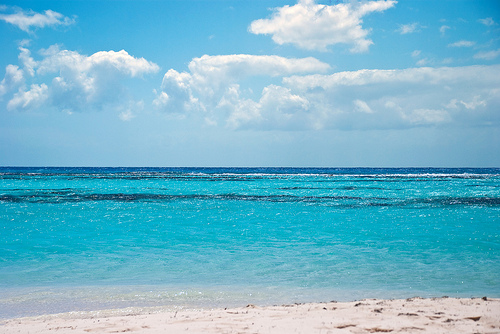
[(325, 83)]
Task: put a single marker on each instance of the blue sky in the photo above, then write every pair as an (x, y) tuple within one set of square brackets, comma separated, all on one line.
[(250, 83)]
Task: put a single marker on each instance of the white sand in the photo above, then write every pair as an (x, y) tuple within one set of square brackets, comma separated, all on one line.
[(414, 315)]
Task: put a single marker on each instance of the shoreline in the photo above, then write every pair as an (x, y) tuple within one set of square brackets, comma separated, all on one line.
[(411, 315)]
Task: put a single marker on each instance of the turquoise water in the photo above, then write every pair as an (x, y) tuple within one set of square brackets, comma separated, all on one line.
[(91, 238)]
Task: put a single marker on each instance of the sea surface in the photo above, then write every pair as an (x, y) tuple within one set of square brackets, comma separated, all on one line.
[(74, 239)]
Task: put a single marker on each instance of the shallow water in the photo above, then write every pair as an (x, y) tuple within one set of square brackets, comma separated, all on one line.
[(90, 238)]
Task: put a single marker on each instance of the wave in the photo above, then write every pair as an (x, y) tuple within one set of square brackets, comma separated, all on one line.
[(224, 172)]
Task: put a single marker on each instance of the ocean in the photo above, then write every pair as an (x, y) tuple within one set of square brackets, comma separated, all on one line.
[(77, 239)]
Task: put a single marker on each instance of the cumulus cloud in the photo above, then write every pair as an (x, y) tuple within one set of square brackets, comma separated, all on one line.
[(277, 108), (103, 61), (214, 89), (213, 80), (71, 81), (27, 61), (25, 20), (30, 99), (14, 77), (312, 26)]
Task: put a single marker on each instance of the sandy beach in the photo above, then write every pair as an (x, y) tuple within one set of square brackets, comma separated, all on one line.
[(412, 315)]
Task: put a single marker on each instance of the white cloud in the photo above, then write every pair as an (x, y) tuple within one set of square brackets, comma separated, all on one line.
[(240, 110), (487, 21), (443, 29), (127, 114), (103, 61), (472, 104), (122, 62), (13, 78), (365, 99), (161, 99), (212, 78), (243, 65), (27, 61), (312, 26), (277, 108), (423, 62), (484, 75), (224, 69), (178, 90), (401, 98), (487, 55), (78, 82), (462, 44), (362, 106), (416, 53), (408, 28), (31, 99), (26, 20)]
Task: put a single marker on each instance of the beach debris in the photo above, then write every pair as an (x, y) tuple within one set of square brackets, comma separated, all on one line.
[(379, 330), (409, 314)]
